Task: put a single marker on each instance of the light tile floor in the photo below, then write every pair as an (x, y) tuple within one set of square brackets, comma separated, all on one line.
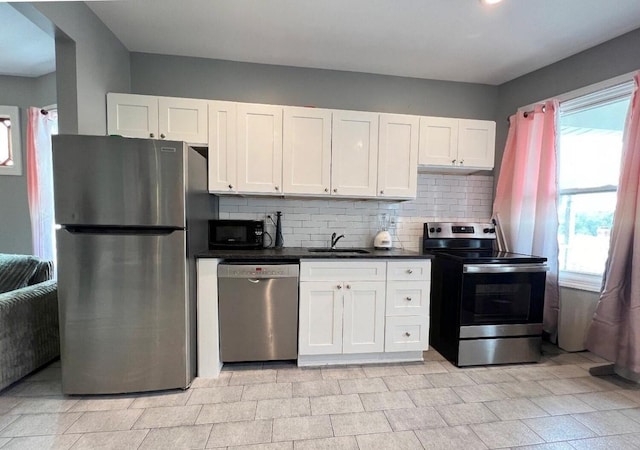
[(555, 404)]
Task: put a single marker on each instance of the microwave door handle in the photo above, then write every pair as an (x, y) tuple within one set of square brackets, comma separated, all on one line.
[(504, 268)]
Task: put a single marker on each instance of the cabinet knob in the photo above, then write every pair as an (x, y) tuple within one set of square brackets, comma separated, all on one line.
[(326, 189), (277, 188), (382, 192), (453, 161), (162, 136), (335, 190), (339, 286), (152, 135), (231, 186), (462, 162), (407, 334), (409, 271), (348, 286), (408, 299)]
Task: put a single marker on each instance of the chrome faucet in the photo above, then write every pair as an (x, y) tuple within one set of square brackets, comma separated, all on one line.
[(334, 240)]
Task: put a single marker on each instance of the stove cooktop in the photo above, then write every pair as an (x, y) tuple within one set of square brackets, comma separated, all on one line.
[(489, 256)]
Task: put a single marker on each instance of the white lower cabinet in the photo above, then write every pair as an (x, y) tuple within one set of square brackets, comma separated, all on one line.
[(363, 307), (320, 328), (405, 333), (363, 316)]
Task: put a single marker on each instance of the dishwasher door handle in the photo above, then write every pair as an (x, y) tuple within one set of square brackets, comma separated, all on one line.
[(253, 280)]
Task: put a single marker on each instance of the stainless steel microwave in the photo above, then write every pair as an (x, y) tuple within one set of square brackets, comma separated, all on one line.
[(239, 234)]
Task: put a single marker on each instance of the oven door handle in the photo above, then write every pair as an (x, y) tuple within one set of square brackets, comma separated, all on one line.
[(504, 268)]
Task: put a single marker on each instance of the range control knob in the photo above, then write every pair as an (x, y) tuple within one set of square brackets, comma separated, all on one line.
[(492, 230), (438, 230), (485, 230), (431, 230)]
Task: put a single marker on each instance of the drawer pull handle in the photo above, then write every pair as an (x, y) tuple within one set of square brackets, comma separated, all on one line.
[(408, 299), (409, 271), (407, 334)]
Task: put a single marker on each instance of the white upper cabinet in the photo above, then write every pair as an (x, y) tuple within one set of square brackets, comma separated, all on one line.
[(132, 115), (398, 156), (438, 141), (259, 148), (222, 147), (183, 119), (477, 143), (354, 155), (306, 153), (145, 116), (457, 143)]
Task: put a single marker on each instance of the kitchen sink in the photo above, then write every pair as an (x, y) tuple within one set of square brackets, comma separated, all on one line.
[(338, 250)]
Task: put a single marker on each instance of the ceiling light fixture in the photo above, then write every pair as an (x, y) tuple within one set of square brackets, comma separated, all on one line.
[(490, 2)]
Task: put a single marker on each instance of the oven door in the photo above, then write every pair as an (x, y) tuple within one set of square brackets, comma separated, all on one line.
[(496, 296)]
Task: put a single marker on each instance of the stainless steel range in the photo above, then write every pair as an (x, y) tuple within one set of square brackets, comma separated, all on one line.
[(486, 305)]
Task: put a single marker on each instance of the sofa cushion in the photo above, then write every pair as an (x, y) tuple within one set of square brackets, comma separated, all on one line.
[(16, 271)]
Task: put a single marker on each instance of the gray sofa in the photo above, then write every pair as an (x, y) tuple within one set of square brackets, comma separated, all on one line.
[(29, 332)]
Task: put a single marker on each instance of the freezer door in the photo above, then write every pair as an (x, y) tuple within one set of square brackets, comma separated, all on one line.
[(107, 180), (124, 315)]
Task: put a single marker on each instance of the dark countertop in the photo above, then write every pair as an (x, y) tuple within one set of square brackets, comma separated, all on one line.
[(294, 253)]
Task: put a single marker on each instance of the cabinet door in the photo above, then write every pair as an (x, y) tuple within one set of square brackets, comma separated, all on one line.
[(183, 119), (398, 156), (306, 154), (354, 154), (131, 115), (222, 147), (476, 143), (320, 327), (363, 329), (438, 141), (259, 148)]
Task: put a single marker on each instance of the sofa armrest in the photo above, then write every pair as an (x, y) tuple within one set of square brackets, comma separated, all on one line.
[(29, 332)]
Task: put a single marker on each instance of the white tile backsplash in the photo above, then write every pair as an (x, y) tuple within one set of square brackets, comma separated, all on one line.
[(310, 222)]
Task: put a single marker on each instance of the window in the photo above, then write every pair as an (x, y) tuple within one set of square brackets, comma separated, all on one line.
[(589, 152), (10, 151)]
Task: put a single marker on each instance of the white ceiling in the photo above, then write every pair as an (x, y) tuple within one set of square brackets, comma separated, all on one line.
[(458, 40), (25, 50)]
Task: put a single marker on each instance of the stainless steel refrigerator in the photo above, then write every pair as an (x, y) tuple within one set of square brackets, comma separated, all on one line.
[(131, 215)]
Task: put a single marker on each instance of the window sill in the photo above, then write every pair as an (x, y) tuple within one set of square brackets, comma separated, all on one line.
[(580, 281)]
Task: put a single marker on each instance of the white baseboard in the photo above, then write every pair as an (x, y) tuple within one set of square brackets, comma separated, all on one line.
[(358, 358)]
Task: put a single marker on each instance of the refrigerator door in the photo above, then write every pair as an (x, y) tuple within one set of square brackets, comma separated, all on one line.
[(124, 312), (114, 181)]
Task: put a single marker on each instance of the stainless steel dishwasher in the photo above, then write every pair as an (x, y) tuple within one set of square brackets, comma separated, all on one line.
[(258, 311)]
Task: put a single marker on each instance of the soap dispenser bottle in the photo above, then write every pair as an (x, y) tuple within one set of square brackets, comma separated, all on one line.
[(279, 238)]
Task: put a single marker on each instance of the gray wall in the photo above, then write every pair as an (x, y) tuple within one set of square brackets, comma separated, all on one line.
[(611, 59), (90, 61), (260, 83), (15, 225)]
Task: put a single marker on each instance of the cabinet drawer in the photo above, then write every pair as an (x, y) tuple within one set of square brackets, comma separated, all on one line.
[(409, 269), (362, 270), (408, 298), (406, 333)]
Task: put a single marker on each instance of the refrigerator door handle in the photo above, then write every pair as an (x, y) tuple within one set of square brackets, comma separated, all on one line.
[(132, 231)]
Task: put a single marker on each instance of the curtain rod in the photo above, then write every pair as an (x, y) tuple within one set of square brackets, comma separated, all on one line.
[(526, 113)]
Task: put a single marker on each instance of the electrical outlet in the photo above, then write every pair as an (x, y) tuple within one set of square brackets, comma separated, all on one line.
[(393, 222)]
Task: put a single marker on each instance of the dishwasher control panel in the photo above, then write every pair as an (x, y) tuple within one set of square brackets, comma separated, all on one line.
[(258, 270)]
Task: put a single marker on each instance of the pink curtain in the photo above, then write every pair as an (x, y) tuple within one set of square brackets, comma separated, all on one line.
[(40, 182), (526, 196), (615, 331)]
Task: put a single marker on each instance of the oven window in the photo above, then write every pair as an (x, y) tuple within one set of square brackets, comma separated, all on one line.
[(231, 234), (502, 298)]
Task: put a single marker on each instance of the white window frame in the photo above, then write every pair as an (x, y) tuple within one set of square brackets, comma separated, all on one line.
[(14, 115), (597, 97)]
